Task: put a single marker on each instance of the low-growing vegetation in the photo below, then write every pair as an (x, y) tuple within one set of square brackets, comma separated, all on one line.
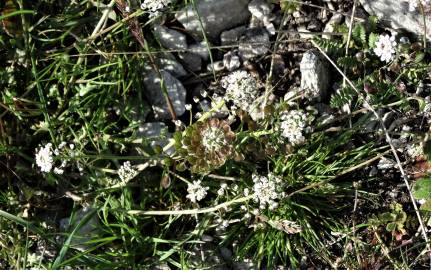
[(291, 152)]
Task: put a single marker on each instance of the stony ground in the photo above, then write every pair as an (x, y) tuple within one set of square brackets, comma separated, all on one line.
[(215, 134)]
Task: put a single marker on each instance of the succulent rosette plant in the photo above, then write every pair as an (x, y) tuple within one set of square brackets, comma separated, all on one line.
[(206, 145)]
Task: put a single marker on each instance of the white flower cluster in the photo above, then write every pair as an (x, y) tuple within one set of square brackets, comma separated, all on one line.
[(242, 89), (385, 47), (267, 189), (45, 160), (126, 172), (414, 4), (213, 139), (154, 6), (196, 191), (293, 126)]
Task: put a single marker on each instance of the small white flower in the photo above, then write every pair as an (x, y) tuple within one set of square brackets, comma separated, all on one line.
[(225, 224), (222, 189), (58, 170), (246, 192), (273, 205), (422, 201), (126, 172), (213, 139), (61, 145), (385, 47), (178, 123), (71, 146), (267, 190), (44, 158), (196, 191), (154, 6), (293, 125), (188, 107), (204, 93), (127, 9), (242, 89), (196, 99)]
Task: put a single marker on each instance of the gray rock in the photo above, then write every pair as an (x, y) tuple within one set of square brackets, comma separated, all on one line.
[(172, 66), (255, 42), (314, 75), (232, 36), (256, 23), (89, 230), (315, 25), (161, 266), (302, 30), (152, 130), (168, 62), (137, 109), (396, 14), (360, 13), (175, 89), (200, 49), (270, 28), (331, 24), (216, 66), (226, 253), (156, 133), (169, 38), (231, 61), (192, 61), (246, 264), (216, 16), (261, 10)]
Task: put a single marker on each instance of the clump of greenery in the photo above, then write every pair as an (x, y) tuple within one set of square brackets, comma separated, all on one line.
[(272, 190)]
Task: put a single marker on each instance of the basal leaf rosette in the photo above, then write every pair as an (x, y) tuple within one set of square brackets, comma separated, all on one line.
[(206, 145)]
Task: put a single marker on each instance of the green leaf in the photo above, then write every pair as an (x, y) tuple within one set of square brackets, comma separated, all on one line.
[(419, 57), (426, 206), (372, 22), (372, 39), (422, 189), (359, 34), (391, 226)]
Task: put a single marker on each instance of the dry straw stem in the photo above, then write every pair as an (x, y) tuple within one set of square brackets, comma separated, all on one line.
[(190, 211), (241, 199), (388, 140)]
